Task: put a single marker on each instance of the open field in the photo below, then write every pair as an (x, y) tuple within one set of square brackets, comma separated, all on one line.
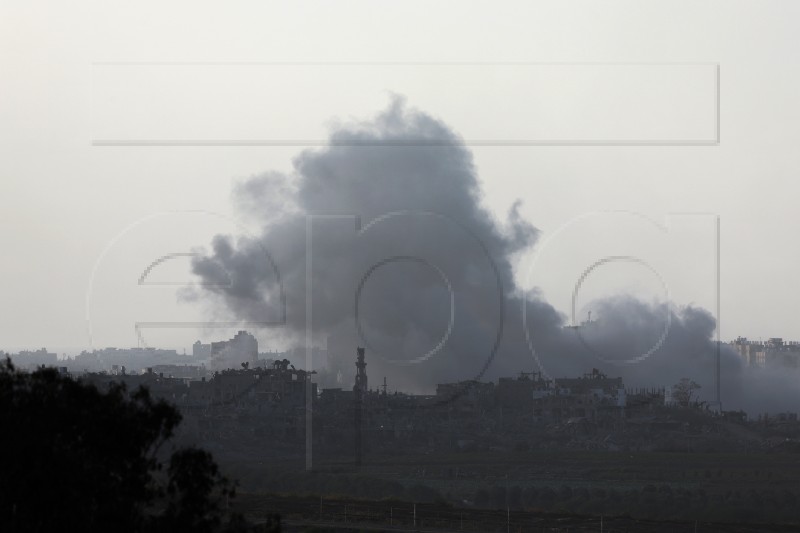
[(311, 514), (735, 487)]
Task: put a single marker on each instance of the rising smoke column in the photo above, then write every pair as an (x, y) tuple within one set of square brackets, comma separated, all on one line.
[(399, 221), (410, 186)]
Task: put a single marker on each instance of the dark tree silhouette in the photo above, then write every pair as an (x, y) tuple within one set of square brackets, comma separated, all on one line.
[(74, 458), (683, 391)]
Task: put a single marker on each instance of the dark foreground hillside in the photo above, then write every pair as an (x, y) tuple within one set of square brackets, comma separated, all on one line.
[(734, 489), (314, 514)]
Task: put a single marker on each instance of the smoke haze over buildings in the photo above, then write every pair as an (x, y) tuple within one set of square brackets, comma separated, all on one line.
[(391, 213)]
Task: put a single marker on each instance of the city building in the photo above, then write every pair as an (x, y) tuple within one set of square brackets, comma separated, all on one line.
[(241, 350), (775, 352)]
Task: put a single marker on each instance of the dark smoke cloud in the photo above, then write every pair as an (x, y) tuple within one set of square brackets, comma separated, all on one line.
[(398, 217)]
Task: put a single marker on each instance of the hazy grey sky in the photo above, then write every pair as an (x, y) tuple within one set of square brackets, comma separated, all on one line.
[(81, 220)]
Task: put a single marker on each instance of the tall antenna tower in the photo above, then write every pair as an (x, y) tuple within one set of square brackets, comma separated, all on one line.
[(359, 389), (361, 372)]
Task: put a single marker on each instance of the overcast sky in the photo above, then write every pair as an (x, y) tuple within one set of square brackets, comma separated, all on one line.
[(626, 129)]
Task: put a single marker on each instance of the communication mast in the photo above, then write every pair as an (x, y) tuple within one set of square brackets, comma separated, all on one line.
[(359, 389)]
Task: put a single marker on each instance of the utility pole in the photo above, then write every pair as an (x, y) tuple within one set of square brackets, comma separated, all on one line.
[(508, 509), (719, 398)]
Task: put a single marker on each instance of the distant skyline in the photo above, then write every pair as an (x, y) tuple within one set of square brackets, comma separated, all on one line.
[(79, 218)]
